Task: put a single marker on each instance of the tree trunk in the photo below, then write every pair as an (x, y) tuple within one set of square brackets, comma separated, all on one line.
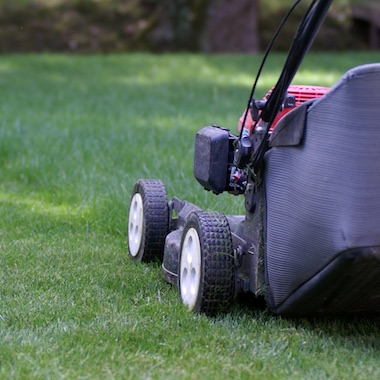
[(207, 25), (231, 26)]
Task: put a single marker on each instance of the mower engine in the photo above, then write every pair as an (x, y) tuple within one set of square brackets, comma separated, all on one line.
[(214, 166)]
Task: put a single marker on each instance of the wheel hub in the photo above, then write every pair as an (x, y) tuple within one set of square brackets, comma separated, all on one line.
[(190, 268), (135, 224)]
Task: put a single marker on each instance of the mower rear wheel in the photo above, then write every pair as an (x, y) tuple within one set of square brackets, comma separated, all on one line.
[(206, 264), (148, 221)]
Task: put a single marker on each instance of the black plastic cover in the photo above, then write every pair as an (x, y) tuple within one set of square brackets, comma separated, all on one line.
[(211, 158)]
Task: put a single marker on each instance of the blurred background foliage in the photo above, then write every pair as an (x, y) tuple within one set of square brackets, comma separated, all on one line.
[(91, 26)]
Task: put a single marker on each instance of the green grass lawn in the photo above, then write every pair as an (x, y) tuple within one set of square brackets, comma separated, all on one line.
[(75, 134)]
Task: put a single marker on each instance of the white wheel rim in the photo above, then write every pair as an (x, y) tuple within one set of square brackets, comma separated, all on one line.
[(135, 224), (190, 268)]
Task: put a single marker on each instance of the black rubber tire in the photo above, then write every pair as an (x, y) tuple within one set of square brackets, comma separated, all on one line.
[(217, 272), (154, 224)]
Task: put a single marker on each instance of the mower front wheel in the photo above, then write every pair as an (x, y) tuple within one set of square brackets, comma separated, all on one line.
[(148, 221), (206, 264)]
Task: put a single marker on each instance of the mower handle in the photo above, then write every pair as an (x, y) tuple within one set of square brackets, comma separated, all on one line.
[(302, 41)]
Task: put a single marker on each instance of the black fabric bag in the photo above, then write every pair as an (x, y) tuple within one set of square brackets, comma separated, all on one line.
[(322, 184)]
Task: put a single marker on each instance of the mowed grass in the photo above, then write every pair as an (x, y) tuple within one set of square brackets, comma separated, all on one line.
[(75, 134)]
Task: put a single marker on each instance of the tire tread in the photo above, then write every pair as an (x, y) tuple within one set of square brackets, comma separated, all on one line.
[(156, 215), (218, 261)]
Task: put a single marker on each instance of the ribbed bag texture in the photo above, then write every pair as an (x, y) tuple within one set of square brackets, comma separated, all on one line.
[(323, 195)]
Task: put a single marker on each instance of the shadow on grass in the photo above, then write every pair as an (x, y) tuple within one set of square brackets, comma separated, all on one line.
[(355, 331), (29, 216)]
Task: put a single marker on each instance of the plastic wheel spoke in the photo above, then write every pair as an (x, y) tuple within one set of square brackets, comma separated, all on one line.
[(193, 281)]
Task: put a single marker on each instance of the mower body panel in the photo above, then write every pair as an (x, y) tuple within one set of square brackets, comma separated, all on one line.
[(322, 247)]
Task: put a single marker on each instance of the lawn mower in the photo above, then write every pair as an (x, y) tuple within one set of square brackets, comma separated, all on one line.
[(306, 161)]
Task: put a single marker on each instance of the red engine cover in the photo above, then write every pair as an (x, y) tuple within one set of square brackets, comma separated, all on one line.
[(301, 94)]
